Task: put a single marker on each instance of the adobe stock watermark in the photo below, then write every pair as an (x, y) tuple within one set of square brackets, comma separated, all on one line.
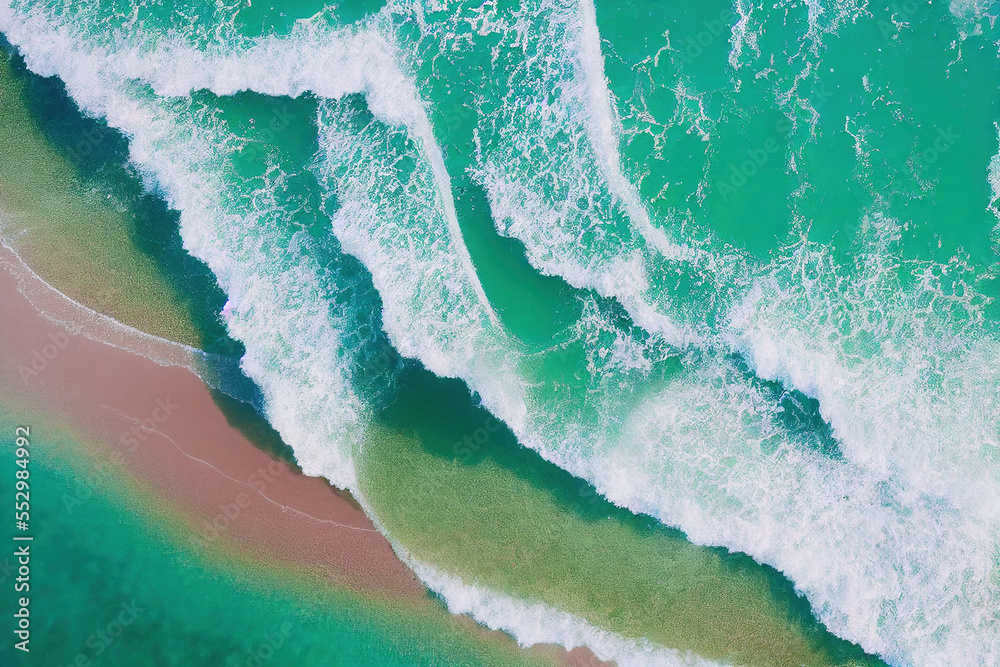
[(142, 429), (90, 140), (464, 449), (129, 442), (100, 641), (692, 48), (945, 139), (229, 513), (40, 357), (905, 9), (262, 652), (279, 121), (756, 158)]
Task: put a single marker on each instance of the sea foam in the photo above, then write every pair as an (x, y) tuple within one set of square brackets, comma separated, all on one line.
[(277, 309), (890, 554), (537, 623)]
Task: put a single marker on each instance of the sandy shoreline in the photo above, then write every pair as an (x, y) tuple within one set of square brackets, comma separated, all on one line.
[(162, 425)]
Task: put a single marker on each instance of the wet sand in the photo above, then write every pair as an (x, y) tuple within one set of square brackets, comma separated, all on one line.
[(161, 424)]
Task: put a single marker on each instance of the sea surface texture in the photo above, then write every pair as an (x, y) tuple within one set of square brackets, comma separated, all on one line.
[(667, 328)]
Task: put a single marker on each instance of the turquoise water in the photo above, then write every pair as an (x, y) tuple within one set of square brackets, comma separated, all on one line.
[(117, 580), (731, 266)]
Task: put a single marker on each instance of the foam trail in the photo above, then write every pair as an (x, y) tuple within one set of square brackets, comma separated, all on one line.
[(328, 62), (875, 552), (296, 356), (993, 176), (603, 130), (536, 623), (431, 309), (907, 498), (553, 177), (744, 34), (217, 371)]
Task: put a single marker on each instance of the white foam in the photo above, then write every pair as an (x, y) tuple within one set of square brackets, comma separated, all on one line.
[(876, 559), (537, 623), (902, 374), (968, 13), (432, 310), (603, 128), (744, 34), (275, 307), (993, 177), (214, 370), (890, 554)]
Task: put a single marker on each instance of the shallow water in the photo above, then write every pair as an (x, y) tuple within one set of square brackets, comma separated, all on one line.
[(728, 267), (117, 578)]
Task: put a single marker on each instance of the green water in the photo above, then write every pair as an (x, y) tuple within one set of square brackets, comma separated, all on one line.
[(736, 271), (83, 222), (478, 506), (497, 500), (105, 553)]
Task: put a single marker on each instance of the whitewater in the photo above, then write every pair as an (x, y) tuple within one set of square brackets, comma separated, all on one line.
[(830, 410)]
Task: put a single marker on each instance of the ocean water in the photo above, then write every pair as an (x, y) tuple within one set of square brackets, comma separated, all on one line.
[(42, 185), (730, 269), (147, 595)]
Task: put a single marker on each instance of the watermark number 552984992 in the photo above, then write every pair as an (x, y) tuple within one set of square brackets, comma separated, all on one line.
[(22, 541)]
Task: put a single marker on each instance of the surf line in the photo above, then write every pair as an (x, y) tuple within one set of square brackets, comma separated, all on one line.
[(284, 508)]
